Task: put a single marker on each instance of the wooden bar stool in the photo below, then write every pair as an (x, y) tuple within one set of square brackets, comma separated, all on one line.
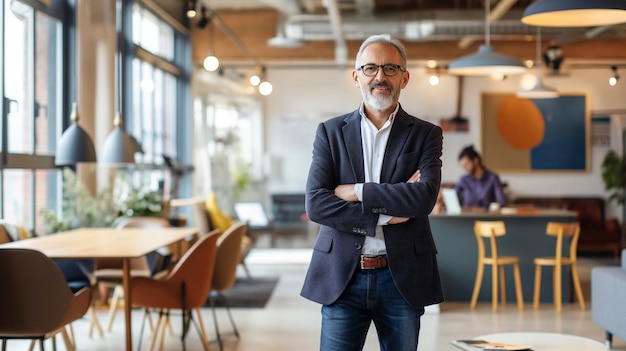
[(491, 230), (558, 261)]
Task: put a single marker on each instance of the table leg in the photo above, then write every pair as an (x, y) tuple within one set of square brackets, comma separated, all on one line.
[(127, 302)]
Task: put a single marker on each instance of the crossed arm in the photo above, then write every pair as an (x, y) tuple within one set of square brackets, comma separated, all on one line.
[(346, 192)]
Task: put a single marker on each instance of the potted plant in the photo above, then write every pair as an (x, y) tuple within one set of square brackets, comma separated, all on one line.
[(614, 176)]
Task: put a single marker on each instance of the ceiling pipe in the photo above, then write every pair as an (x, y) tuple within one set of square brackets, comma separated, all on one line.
[(495, 14), (594, 32), (341, 49)]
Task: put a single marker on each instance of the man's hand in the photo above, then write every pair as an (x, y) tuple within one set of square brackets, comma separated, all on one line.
[(346, 192), (397, 220), (416, 177)]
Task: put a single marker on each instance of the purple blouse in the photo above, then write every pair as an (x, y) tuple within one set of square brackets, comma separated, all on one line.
[(480, 192)]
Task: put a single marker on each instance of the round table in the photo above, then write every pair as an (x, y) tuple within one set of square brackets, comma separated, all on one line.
[(546, 341)]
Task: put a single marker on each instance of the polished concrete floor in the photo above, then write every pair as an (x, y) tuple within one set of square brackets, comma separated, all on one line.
[(289, 322)]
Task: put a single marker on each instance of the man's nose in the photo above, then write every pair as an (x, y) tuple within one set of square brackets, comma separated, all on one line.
[(380, 74)]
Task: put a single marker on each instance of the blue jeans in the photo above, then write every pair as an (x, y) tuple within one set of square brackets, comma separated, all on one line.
[(370, 296)]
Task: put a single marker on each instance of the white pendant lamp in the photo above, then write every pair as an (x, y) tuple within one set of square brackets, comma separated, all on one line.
[(575, 13), (539, 91), (486, 61)]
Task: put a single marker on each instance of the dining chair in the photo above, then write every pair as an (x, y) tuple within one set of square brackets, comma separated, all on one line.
[(202, 221), (185, 287), (491, 230), (79, 275), (227, 258), (35, 300), (109, 272), (560, 230)]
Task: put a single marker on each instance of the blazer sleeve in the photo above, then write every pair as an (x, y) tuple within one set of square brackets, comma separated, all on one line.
[(410, 200), (322, 206)]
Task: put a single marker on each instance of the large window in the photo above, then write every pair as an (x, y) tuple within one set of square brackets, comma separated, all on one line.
[(32, 112), (160, 98)]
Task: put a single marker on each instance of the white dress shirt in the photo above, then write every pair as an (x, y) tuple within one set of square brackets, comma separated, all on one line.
[(374, 144)]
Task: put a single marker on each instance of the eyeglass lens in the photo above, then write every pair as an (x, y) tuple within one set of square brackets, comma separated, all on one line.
[(388, 70)]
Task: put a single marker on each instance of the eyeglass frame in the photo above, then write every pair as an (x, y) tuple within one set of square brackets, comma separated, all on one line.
[(378, 67)]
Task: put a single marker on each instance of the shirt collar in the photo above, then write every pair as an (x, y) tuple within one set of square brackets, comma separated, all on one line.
[(392, 116)]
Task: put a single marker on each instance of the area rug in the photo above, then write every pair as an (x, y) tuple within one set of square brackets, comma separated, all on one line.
[(247, 293)]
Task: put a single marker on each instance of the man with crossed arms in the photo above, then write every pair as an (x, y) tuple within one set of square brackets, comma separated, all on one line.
[(374, 179)]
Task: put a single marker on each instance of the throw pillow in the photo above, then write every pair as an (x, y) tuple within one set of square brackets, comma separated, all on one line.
[(219, 219)]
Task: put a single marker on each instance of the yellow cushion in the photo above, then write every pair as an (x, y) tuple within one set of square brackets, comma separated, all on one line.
[(219, 219)]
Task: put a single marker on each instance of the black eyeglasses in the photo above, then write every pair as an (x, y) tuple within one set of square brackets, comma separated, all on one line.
[(389, 69)]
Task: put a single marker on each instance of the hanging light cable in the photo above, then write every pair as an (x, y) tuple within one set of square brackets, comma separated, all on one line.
[(118, 147), (486, 61), (211, 63), (539, 91)]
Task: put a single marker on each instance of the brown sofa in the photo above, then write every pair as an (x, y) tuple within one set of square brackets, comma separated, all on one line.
[(597, 233)]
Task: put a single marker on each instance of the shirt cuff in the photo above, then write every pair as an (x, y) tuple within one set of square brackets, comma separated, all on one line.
[(383, 219), (358, 191)]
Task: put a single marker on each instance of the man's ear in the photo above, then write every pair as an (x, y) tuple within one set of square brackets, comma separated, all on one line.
[(405, 79), (355, 78)]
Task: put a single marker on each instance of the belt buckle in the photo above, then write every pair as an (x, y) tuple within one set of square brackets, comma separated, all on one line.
[(364, 258)]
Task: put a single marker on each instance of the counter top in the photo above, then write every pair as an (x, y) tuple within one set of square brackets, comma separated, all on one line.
[(508, 212)]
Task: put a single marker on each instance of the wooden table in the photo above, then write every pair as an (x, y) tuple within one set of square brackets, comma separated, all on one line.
[(95, 243)]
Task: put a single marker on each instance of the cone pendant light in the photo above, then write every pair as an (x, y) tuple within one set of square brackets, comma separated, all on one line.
[(486, 61)]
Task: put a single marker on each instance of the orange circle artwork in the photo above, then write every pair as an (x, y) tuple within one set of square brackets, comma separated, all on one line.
[(520, 123)]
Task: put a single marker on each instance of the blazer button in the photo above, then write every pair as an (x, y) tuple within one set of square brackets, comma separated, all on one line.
[(357, 246)]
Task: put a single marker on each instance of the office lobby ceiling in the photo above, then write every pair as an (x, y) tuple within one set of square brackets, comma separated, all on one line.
[(330, 31)]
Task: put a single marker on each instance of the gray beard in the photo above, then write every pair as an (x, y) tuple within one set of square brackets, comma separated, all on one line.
[(379, 102)]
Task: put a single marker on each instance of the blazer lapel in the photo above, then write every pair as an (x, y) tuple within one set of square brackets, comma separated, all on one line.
[(354, 145), (397, 138)]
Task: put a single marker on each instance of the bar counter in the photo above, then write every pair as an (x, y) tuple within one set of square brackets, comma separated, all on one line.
[(525, 237)]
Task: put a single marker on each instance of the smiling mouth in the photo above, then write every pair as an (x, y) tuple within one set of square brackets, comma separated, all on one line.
[(380, 88)]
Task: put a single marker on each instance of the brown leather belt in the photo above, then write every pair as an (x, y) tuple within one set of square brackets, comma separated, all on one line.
[(373, 262)]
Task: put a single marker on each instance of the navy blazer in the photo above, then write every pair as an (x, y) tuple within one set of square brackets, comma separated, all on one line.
[(411, 254)]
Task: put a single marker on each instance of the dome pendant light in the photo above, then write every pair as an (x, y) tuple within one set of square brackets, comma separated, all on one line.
[(575, 13), (486, 61), (118, 148), (539, 91), (75, 145)]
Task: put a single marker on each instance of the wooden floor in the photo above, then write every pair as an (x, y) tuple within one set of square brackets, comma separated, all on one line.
[(290, 322)]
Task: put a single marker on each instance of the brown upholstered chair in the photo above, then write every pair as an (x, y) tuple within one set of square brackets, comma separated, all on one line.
[(35, 300), (185, 287), (227, 258)]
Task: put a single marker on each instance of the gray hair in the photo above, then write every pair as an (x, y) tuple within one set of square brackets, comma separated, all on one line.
[(382, 39)]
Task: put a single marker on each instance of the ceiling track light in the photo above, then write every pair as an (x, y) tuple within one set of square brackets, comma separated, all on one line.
[(204, 19), (575, 13), (191, 9), (615, 77), (486, 61)]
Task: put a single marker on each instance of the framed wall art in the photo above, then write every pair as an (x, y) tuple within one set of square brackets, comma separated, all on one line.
[(520, 135)]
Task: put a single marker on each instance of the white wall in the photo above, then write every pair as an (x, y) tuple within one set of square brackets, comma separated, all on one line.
[(304, 97)]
